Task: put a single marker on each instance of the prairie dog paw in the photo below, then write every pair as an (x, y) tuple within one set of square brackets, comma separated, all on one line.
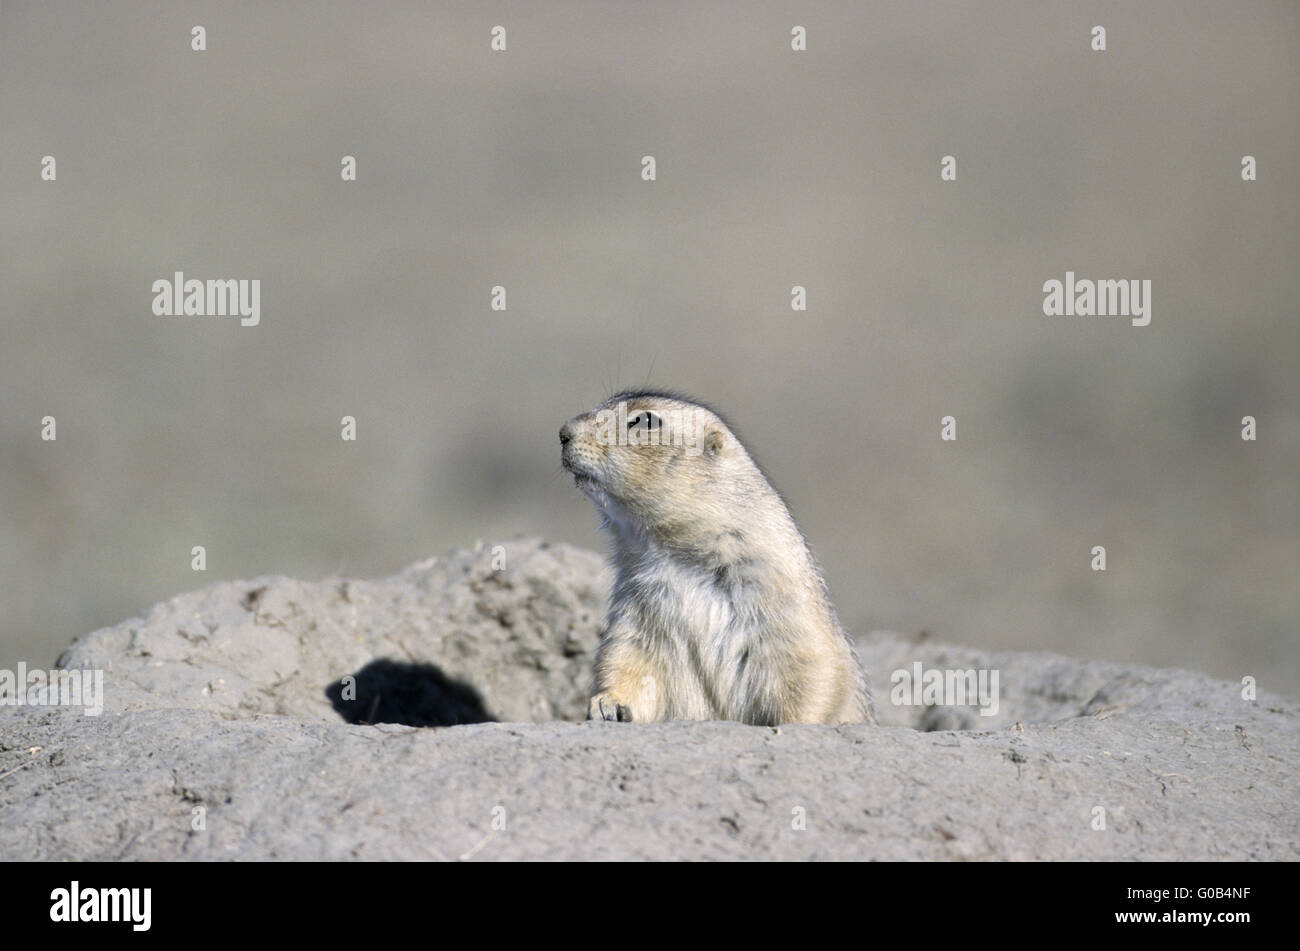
[(603, 706)]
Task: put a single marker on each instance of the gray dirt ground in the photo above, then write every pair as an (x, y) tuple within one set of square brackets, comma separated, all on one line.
[(228, 702)]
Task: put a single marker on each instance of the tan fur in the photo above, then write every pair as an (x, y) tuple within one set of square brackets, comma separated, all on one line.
[(718, 609)]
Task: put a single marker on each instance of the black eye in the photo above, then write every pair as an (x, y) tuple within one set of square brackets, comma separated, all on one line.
[(645, 420)]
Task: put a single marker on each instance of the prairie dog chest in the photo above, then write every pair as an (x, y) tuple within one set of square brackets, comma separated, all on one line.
[(689, 612)]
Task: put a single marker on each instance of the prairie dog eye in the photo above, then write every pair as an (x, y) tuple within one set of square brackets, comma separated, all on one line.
[(644, 420)]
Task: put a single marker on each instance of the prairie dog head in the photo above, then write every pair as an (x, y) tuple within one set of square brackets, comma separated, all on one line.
[(653, 460)]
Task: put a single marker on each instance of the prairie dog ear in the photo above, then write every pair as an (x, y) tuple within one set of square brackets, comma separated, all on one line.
[(715, 440)]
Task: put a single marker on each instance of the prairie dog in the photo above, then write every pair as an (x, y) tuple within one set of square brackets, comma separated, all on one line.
[(718, 610)]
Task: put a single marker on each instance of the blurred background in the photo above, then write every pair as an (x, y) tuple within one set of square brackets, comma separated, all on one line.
[(775, 168)]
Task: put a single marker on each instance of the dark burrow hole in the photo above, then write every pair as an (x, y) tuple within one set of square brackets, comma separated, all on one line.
[(390, 691)]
